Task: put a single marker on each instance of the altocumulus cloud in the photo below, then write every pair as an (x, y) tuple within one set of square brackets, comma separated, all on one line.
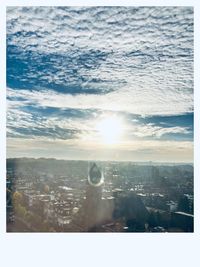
[(66, 66)]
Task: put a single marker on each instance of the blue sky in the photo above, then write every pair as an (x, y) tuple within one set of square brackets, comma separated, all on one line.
[(69, 67)]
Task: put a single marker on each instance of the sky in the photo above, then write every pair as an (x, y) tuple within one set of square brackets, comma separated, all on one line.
[(100, 83)]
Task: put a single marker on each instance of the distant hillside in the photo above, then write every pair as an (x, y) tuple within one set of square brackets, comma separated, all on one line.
[(47, 166), (27, 166)]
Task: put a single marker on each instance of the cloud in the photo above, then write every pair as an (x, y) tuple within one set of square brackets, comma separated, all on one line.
[(116, 58), (30, 120), (150, 130), (153, 102), (66, 66), (59, 29)]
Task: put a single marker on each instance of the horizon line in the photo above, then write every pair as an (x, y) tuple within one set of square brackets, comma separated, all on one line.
[(147, 161)]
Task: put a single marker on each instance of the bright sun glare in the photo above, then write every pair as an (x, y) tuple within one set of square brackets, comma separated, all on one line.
[(110, 129)]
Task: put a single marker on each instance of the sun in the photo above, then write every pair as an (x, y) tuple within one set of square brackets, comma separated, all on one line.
[(110, 129)]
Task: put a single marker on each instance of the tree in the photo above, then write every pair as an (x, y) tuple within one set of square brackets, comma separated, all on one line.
[(17, 198), (21, 211)]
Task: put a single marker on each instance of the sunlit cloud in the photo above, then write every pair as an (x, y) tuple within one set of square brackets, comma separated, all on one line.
[(131, 101), (157, 131)]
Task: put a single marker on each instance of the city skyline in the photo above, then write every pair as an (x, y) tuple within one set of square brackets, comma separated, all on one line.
[(74, 72)]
